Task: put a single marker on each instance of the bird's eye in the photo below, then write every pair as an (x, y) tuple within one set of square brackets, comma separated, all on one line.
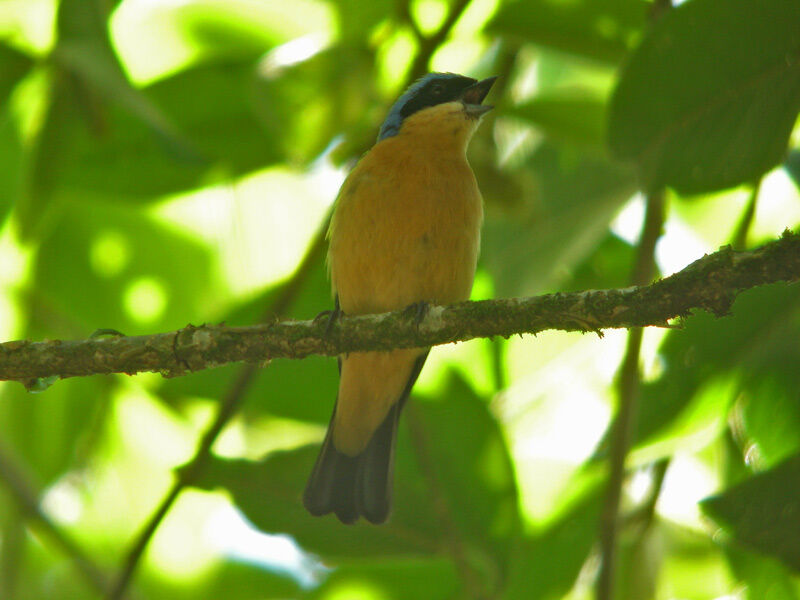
[(437, 89)]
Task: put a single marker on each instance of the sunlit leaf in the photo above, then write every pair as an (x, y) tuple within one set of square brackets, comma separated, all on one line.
[(269, 493), (433, 475), (710, 97), (190, 34), (771, 409), (435, 578), (763, 512), (709, 347), (82, 282), (765, 577), (230, 579), (545, 565)]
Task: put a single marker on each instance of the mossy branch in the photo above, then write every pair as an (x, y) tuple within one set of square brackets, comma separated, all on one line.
[(710, 283)]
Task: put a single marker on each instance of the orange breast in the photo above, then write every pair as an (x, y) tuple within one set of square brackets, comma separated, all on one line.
[(406, 229)]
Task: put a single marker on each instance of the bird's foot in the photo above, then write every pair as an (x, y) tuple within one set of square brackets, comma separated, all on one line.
[(417, 310), (106, 332), (331, 316)]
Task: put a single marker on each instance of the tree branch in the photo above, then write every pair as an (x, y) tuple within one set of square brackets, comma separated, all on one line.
[(628, 392), (711, 283)]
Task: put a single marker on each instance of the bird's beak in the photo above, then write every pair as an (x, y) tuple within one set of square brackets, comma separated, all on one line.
[(474, 95)]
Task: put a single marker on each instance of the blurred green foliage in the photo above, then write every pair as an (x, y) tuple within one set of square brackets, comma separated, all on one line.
[(169, 162)]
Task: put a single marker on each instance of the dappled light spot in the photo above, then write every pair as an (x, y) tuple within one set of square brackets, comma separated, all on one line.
[(347, 590), (607, 27), (429, 14), (109, 253), (145, 300)]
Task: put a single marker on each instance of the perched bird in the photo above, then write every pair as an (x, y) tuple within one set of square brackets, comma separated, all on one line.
[(405, 230)]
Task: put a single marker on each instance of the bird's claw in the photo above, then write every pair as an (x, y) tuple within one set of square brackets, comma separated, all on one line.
[(106, 331), (417, 310), (331, 315)]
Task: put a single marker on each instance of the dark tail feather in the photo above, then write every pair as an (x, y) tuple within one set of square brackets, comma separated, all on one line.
[(356, 486), (361, 485)]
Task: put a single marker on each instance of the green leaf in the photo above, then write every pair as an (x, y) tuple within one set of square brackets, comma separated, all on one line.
[(530, 248), (88, 270), (357, 19), (245, 122), (187, 34), (423, 578), (598, 29), (316, 100), (269, 494), (771, 409), (227, 127), (709, 348), (13, 67), (84, 50), (546, 565), (575, 117), (765, 578), (609, 266), (434, 472), (298, 389), (231, 579), (49, 432), (44, 159), (475, 466), (636, 574), (764, 512), (792, 166), (710, 97), (11, 157)]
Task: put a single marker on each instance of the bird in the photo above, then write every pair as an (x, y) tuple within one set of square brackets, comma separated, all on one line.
[(405, 232)]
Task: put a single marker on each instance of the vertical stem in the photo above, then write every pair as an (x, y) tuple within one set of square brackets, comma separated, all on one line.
[(228, 407), (27, 503), (441, 506), (739, 238), (628, 391)]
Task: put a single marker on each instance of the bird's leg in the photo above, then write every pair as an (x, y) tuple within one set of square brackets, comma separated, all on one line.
[(331, 315)]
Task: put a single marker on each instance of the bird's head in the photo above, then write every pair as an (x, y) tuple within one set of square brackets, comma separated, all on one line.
[(439, 106)]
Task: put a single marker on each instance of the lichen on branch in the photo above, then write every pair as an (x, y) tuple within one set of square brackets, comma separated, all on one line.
[(711, 283)]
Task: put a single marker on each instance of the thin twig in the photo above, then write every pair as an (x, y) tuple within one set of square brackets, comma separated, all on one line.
[(228, 407), (739, 239), (441, 506), (628, 391), (27, 501), (429, 44)]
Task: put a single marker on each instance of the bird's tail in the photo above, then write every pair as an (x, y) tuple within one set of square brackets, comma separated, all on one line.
[(355, 486), (358, 486)]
